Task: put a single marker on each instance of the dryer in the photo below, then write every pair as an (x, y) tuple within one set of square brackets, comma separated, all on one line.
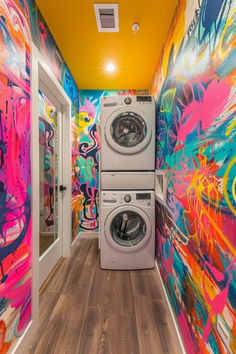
[(127, 232), (127, 133)]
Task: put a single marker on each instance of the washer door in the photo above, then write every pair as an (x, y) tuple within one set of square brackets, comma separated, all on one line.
[(128, 131), (127, 228)]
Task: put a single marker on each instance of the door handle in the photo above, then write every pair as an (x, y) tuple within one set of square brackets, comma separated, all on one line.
[(62, 188)]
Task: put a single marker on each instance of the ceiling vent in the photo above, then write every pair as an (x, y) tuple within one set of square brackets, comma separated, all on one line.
[(107, 17)]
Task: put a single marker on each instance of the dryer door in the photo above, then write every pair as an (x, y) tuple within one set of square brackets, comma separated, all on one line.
[(127, 228), (128, 131)]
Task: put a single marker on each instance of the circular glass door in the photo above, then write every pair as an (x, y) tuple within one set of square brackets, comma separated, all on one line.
[(128, 132), (128, 228), (128, 129)]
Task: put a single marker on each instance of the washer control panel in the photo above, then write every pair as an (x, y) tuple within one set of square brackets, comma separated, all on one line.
[(135, 198), (109, 198), (143, 198)]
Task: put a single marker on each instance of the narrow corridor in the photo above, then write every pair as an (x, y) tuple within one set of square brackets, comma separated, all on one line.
[(86, 310)]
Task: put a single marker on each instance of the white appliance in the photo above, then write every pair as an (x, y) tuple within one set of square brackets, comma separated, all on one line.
[(127, 229), (129, 180), (127, 133)]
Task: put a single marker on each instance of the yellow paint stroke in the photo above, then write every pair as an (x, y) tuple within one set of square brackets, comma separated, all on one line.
[(232, 162), (231, 127), (234, 188), (229, 23), (167, 100), (199, 184), (228, 244)]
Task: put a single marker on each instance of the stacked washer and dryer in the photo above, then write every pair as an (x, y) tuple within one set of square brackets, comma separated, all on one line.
[(127, 201)]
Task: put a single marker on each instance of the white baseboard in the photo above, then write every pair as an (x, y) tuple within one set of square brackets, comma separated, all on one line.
[(85, 234), (73, 245), (171, 311), (23, 341)]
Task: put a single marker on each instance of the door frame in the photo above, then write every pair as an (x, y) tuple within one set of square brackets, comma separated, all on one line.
[(40, 69)]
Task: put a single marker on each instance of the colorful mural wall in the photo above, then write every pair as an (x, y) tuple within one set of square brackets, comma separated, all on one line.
[(20, 21), (15, 180), (196, 145), (85, 157)]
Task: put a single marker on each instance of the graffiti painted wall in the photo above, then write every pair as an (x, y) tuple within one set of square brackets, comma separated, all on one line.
[(86, 159), (196, 145), (15, 183), (20, 21)]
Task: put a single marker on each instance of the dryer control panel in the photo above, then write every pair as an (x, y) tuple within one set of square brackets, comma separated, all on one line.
[(110, 102)]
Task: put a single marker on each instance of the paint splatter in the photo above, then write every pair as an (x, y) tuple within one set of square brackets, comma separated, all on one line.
[(15, 180), (196, 139)]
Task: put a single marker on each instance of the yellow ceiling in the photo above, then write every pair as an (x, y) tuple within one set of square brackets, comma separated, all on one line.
[(86, 51)]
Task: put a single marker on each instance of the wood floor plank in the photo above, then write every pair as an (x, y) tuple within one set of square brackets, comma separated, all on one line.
[(93, 253), (127, 335), (57, 323), (76, 317), (108, 341), (148, 336), (88, 342), (151, 286), (124, 294), (163, 328), (138, 282)]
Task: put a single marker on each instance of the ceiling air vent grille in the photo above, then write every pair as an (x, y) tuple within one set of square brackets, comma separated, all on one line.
[(107, 17)]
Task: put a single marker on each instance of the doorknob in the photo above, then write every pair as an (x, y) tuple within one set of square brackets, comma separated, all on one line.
[(62, 188)]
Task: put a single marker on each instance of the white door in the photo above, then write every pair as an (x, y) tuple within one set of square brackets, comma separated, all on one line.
[(51, 188)]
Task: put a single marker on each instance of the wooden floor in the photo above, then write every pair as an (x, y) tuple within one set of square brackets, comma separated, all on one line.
[(86, 310)]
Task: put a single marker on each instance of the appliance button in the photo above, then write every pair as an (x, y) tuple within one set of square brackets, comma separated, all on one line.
[(128, 100), (127, 198)]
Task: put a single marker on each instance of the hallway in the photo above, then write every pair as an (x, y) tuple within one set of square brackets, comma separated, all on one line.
[(86, 310)]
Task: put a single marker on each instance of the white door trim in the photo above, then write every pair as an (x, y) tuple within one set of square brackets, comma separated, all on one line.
[(39, 68)]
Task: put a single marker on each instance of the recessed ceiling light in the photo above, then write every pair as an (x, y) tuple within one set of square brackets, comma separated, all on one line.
[(110, 67)]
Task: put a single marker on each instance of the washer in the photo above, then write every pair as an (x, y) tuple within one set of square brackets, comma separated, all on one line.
[(127, 133), (127, 231)]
